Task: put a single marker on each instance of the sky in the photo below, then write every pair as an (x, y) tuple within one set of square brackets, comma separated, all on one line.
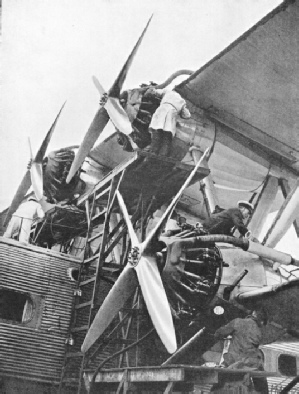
[(52, 48)]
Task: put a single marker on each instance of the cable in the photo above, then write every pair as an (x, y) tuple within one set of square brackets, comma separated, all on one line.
[(251, 191)]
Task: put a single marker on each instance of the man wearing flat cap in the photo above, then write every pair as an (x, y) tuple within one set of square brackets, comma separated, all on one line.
[(227, 220)]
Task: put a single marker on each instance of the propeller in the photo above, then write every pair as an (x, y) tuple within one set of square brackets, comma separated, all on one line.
[(144, 263), (116, 113), (109, 110), (34, 176)]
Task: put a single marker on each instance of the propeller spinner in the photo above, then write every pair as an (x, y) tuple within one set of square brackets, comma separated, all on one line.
[(149, 279), (111, 109)]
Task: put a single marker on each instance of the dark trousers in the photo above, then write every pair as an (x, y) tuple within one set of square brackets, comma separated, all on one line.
[(161, 142)]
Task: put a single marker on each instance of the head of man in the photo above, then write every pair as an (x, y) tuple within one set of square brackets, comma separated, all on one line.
[(260, 316), (246, 208)]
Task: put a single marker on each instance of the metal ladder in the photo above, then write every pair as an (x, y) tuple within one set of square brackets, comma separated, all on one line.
[(94, 266), (91, 276)]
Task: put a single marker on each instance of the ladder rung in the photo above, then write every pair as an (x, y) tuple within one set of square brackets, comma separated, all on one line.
[(98, 235), (82, 328), (83, 305), (87, 281), (70, 380), (113, 266), (74, 354), (92, 258), (99, 215), (102, 193)]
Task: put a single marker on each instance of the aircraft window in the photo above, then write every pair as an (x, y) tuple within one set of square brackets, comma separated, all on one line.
[(15, 306), (287, 365)]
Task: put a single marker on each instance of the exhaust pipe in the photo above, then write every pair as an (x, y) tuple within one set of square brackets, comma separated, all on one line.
[(271, 254), (243, 243)]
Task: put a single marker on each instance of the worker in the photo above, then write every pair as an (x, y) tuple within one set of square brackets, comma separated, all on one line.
[(226, 221), (21, 221), (243, 350), (246, 337), (163, 123)]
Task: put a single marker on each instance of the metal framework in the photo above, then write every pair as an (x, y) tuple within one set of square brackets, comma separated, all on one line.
[(146, 184)]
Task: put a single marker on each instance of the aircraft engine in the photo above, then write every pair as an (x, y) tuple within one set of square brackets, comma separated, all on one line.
[(191, 277), (140, 105), (56, 167)]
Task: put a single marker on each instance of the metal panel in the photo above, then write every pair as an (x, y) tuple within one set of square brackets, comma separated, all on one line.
[(239, 260), (28, 352)]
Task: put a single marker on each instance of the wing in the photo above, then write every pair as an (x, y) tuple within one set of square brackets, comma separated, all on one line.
[(251, 91), (251, 87)]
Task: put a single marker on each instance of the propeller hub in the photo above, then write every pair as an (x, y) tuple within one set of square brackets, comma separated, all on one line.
[(134, 256)]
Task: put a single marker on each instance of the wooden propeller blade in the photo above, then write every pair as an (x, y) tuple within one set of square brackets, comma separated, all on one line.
[(98, 124), (101, 118), (36, 175), (156, 301), (132, 234), (42, 150), (19, 196), (117, 114), (26, 181), (152, 289), (173, 203), (118, 84), (115, 300)]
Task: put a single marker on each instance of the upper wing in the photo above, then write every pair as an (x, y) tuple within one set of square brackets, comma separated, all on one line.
[(250, 93), (252, 86)]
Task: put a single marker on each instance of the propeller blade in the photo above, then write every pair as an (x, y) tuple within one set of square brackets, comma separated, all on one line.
[(26, 181), (156, 301), (19, 196), (101, 118), (133, 236), (117, 114), (42, 150), (118, 84), (173, 203), (115, 300), (98, 124), (36, 174)]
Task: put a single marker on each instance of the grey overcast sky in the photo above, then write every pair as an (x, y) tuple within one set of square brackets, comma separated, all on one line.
[(51, 48)]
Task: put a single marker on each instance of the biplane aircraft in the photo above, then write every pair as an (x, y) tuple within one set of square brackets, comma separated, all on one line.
[(132, 217)]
